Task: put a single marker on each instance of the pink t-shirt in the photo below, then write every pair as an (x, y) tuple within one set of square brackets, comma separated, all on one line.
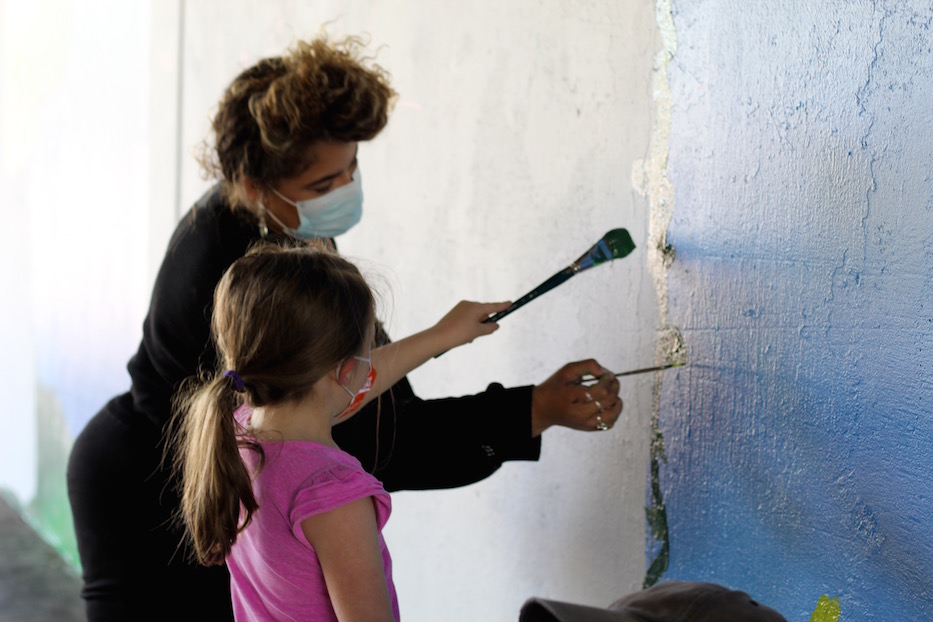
[(274, 572)]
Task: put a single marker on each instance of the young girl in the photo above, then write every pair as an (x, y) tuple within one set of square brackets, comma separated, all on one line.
[(264, 485)]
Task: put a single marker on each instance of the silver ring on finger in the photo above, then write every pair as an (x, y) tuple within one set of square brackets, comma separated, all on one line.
[(600, 424), (589, 398), (599, 406)]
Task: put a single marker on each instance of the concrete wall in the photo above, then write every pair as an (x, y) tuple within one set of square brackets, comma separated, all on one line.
[(798, 442)]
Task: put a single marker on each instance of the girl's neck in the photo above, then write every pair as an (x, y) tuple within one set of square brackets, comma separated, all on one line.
[(294, 421)]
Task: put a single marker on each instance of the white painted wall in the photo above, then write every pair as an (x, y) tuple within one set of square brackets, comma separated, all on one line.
[(509, 154), (74, 172)]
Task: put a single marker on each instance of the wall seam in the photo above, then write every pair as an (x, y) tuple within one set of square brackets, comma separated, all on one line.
[(179, 108), (649, 177)]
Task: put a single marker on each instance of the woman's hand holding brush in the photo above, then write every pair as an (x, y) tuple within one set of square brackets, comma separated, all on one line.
[(563, 400)]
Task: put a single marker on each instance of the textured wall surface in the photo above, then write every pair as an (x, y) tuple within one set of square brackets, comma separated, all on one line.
[(798, 442)]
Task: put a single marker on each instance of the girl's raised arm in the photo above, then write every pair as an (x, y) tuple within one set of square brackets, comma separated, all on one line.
[(461, 325), (346, 541)]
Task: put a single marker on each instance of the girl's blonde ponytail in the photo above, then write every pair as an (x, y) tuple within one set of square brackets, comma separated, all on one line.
[(215, 482)]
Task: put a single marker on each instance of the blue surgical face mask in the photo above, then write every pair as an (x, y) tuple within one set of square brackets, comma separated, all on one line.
[(328, 215)]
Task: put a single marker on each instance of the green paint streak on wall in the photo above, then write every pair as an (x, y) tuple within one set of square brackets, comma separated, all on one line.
[(827, 610), (649, 177), (656, 513), (49, 512)]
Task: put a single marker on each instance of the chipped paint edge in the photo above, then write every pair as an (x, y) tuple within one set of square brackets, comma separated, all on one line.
[(649, 178)]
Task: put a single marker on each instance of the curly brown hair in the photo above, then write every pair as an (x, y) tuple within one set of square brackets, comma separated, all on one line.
[(319, 90)]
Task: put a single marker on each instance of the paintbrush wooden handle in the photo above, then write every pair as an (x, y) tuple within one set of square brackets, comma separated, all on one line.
[(547, 286), (645, 370), (592, 379)]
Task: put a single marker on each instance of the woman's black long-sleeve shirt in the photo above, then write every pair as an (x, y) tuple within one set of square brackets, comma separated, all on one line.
[(407, 442)]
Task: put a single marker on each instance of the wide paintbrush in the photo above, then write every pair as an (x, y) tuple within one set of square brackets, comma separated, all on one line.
[(614, 245)]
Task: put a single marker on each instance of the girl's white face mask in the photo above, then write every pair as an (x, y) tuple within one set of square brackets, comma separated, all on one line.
[(328, 215)]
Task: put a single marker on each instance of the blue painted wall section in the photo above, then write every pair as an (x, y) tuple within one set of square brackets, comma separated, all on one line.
[(799, 442)]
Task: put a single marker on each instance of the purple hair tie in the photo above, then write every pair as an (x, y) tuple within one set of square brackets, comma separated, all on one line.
[(237, 381)]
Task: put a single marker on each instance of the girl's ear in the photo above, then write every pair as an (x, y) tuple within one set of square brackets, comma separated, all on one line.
[(344, 371)]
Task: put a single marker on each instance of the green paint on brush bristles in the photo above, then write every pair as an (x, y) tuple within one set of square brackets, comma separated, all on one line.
[(616, 244)]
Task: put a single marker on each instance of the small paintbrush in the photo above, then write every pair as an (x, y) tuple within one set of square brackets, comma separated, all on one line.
[(644, 370)]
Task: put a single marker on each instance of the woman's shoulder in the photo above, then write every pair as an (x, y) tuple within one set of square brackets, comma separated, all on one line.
[(212, 231), (213, 217)]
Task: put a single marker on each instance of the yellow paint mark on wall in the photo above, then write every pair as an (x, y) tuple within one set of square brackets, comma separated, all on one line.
[(827, 610)]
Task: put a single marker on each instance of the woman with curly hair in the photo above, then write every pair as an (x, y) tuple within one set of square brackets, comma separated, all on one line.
[(285, 146)]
